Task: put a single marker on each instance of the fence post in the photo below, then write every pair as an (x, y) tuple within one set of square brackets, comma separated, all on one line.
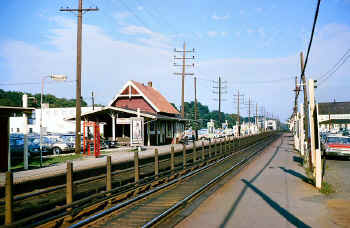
[(136, 166), (209, 149), (225, 146), (215, 148), (194, 152), (184, 156), (203, 151), (220, 145), (109, 177), (8, 198), (109, 174), (69, 184), (156, 163), (172, 159)]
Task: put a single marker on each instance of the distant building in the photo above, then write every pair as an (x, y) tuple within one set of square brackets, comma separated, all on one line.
[(334, 115), (271, 125), (54, 120)]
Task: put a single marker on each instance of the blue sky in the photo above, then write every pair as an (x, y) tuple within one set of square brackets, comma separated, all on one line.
[(253, 45)]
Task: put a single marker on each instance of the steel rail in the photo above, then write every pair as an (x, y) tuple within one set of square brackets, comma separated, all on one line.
[(143, 195), (201, 189), (125, 188)]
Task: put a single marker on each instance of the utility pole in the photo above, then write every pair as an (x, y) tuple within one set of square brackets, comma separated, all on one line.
[(256, 116), (80, 11), (93, 100), (219, 89), (296, 96), (306, 116), (183, 74), (195, 107), (238, 96), (249, 115)]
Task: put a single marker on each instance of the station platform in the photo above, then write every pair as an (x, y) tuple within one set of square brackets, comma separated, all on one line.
[(271, 191), (117, 156)]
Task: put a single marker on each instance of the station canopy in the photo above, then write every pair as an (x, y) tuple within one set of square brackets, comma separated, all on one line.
[(105, 113)]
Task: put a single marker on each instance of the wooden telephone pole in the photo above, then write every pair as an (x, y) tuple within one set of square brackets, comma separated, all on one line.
[(80, 11), (306, 115), (183, 74), (256, 116), (195, 107), (238, 96), (219, 89)]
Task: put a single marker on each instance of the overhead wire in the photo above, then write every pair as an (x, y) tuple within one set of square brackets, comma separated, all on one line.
[(335, 68), (309, 46)]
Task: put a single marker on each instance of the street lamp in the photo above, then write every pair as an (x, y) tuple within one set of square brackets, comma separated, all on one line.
[(56, 77)]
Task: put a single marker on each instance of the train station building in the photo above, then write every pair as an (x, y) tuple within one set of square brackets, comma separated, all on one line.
[(162, 122)]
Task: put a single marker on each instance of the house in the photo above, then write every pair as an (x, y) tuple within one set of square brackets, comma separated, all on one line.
[(333, 116), (54, 120), (162, 121)]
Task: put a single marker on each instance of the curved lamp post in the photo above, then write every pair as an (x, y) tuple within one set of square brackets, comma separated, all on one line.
[(56, 77)]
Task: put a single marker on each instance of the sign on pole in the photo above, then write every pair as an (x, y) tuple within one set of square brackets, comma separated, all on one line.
[(136, 131)]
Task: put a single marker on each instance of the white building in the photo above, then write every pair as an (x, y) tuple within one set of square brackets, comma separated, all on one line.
[(332, 116), (271, 125), (54, 120)]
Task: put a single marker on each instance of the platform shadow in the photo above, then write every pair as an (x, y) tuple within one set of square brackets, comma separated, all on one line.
[(298, 159), (239, 198), (296, 174), (282, 211)]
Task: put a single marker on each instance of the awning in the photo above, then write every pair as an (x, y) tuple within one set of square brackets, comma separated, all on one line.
[(336, 121), (8, 110)]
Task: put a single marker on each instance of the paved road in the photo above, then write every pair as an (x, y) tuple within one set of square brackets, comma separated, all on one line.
[(337, 173), (272, 191)]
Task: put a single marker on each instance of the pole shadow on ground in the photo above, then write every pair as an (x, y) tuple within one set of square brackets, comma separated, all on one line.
[(273, 204)]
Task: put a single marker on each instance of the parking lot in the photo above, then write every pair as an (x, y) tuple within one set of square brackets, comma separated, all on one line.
[(337, 170)]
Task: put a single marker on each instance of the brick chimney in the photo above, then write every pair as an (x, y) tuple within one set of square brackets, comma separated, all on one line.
[(149, 83)]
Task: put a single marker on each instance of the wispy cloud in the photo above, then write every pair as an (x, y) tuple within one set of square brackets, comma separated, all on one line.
[(250, 31), (217, 17), (242, 12), (140, 8), (150, 38), (259, 10), (212, 33)]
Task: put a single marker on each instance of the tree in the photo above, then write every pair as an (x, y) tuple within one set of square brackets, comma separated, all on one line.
[(14, 98)]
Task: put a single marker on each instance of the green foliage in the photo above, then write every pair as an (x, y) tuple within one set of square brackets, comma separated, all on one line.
[(204, 116), (327, 188), (14, 98)]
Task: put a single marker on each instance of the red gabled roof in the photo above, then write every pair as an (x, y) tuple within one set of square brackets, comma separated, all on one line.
[(156, 98)]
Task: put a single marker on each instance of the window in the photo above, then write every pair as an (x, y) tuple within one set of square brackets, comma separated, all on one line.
[(30, 130), (17, 130), (11, 129)]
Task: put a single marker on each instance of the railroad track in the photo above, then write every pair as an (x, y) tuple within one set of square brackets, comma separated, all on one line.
[(156, 206)]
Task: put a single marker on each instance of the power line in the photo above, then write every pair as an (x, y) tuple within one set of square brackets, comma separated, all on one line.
[(304, 64), (334, 70), (334, 66), (158, 21), (135, 15)]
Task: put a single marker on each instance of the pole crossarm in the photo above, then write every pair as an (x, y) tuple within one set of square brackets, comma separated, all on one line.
[(80, 11)]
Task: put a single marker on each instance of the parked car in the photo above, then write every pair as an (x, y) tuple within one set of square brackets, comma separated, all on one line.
[(17, 147), (57, 145), (203, 134), (337, 145)]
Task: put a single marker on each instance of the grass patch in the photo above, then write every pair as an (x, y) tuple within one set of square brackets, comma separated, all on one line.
[(47, 161), (327, 188)]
